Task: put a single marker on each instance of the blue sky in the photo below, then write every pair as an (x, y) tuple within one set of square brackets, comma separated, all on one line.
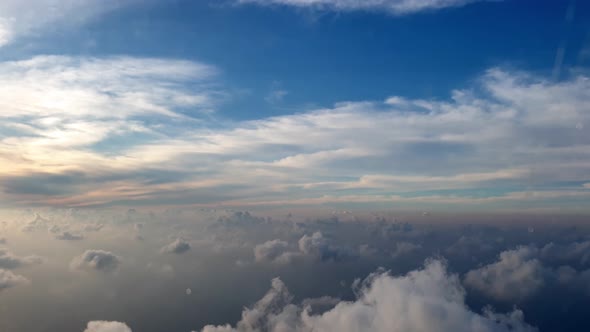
[(389, 103)]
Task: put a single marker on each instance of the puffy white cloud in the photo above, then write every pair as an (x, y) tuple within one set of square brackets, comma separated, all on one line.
[(427, 300), (95, 259), (177, 246), (106, 326), (398, 7), (9, 279)]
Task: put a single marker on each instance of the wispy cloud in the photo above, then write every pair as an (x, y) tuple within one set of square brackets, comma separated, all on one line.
[(82, 131), (397, 7), (20, 19)]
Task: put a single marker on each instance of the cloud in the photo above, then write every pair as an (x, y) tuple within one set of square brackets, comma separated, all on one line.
[(317, 246), (94, 259), (272, 251), (396, 7), (424, 300), (521, 273), (404, 248), (18, 19), (573, 253), (9, 279), (10, 261), (93, 227), (276, 96), (98, 145), (67, 236), (178, 246), (106, 326), (515, 276)]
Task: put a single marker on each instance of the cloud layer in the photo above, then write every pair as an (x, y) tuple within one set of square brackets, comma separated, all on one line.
[(123, 130), (427, 300)]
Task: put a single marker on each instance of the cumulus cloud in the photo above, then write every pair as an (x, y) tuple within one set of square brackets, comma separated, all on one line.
[(8, 260), (272, 251), (106, 326), (94, 259), (398, 7), (178, 246), (515, 276), (9, 279), (426, 300), (317, 246), (522, 272)]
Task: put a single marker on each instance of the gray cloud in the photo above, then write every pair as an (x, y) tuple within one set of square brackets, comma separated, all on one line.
[(317, 246), (10, 261), (95, 259), (427, 300), (9, 279), (577, 252), (515, 276), (67, 236), (178, 246), (272, 251)]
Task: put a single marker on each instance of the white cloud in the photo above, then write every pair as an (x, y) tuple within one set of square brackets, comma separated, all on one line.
[(511, 130), (106, 326), (20, 19), (99, 260), (9, 279), (427, 300), (397, 7)]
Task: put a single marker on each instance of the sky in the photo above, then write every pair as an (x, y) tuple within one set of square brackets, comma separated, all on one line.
[(402, 104), (294, 165)]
